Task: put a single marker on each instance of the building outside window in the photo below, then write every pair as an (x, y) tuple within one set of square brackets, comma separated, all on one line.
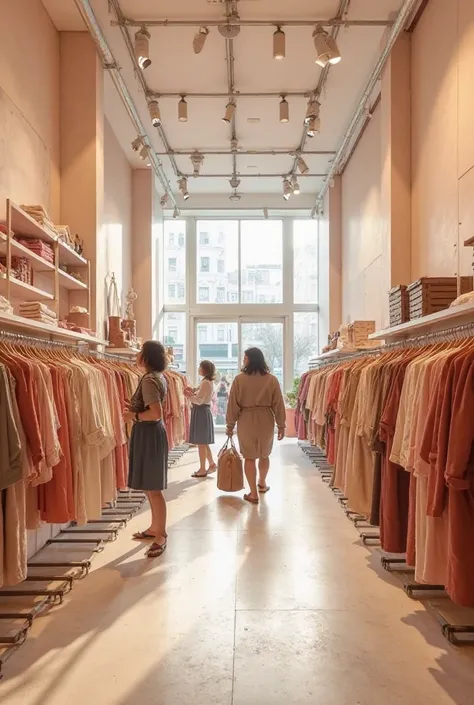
[(204, 294), (242, 264)]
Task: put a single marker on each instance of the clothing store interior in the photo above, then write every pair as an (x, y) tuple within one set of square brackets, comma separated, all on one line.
[(220, 176)]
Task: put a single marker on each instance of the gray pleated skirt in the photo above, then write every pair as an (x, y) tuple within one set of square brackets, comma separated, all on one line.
[(148, 457), (201, 427)]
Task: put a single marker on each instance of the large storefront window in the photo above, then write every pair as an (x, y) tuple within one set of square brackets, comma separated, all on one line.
[(230, 284)]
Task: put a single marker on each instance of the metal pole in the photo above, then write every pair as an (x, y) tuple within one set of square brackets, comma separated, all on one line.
[(235, 94), (252, 176), (256, 152), (233, 21)]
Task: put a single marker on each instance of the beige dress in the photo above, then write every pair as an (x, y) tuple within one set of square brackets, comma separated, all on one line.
[(255, 405)]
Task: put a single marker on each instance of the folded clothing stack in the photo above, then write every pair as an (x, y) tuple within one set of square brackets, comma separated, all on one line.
[(5, 305), (39, 247), (77, 329), (41, 216), (38, 312), (359, 332), (64, 234)]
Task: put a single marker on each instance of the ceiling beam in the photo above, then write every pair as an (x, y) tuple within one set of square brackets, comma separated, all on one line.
[(251, 176), (243, 152), (234, 21), (235, 94)]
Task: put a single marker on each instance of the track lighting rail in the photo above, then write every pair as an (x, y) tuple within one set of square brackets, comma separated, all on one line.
[(335, 22)]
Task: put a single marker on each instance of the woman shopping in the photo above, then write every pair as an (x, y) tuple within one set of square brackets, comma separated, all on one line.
[(148, 463), (201, 430), (255, 405)]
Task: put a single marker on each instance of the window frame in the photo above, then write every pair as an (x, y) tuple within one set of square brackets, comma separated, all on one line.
[(230, 310)]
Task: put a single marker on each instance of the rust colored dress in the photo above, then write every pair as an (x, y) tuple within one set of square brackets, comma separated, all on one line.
[(255, 405)]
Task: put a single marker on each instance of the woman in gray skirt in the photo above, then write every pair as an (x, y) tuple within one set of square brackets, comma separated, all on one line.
[(201, 428), (148, 449)]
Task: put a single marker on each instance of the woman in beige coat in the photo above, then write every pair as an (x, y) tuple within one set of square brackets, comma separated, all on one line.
[(255, 405)]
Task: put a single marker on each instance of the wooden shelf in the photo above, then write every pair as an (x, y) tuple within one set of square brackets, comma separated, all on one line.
[(123, 351), (9, 321), (70, 257), (23, 224), (338, 354), (23, 291), (69, 282), (435, 322), (38, 264)]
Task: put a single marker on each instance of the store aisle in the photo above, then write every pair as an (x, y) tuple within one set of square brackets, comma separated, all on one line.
[(275, 605)]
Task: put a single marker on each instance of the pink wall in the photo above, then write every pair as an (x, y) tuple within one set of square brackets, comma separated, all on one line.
[(365, 274), (29, 106), (117, 222), (443, 139)]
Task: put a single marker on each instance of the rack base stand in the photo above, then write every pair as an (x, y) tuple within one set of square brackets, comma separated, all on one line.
[(51, 575), (461, 634)]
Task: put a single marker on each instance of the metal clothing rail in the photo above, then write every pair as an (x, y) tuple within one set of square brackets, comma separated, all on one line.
[(40, 342), (457, 634)]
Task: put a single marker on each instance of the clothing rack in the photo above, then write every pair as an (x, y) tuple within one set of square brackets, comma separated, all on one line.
[(457, 634), (50, 577)]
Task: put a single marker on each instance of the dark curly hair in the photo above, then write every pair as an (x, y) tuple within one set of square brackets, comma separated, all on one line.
[(209, 370), (153, 356), (256, 362)]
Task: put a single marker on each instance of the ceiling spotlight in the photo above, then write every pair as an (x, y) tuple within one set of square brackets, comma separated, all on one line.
[(182, 110), (234, 182), (265, 213), (229, 112), (302, 166), (312, 111), (287, 190), (137, 143), (235, 196), (144, 152), (142, 48), (164, 200), (183, 187), (176, 212), (196, 159), (279, 44), (295, 186), (155, 115), (200, 39), (313, 127), (284, 110), (327, 51)]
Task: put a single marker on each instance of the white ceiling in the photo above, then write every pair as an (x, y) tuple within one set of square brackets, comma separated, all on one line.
[(176, 69)]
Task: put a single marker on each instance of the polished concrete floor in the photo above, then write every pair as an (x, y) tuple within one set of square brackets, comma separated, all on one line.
[(272, 605)]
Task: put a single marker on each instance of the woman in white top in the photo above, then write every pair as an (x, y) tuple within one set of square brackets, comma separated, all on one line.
[(201, 428)]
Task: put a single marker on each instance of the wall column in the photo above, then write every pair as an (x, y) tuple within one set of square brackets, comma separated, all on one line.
[(82, 159), (143, 189), (396, 163), (330, 263)]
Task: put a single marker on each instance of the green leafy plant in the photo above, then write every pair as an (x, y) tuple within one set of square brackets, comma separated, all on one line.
[(291, 397)]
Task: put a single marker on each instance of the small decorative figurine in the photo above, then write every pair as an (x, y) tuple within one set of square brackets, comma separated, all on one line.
[(130, 299), (78, 244)]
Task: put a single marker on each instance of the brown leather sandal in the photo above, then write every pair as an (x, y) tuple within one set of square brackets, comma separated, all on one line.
[(252, 500)]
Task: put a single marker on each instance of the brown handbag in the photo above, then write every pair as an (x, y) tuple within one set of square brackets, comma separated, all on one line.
[(230, 473)]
